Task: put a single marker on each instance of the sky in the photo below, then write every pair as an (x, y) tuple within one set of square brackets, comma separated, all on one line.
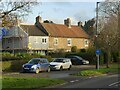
[(59, 11)]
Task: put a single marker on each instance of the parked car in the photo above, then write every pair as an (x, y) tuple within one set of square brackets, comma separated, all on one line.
[(60, 64), (76, 60), (36, 65)]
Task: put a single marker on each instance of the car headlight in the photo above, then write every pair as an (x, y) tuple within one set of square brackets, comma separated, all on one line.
[(84, 61), (57, 65), (34, 66), (23, 66)]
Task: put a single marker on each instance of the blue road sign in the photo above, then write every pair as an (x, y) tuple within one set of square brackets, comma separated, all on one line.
[(98, 52)]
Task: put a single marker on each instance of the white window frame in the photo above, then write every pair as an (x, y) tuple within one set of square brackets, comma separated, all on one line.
[(86, 44), (44, 40), (69, 42), (55, 41)]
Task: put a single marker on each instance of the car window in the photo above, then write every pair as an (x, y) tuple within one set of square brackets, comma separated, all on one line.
[(79, 57), (58, 60), (45, 61), (33, 61), (64, 60), (67, 60)]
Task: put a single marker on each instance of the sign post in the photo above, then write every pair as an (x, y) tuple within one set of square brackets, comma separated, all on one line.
[(98, 52)]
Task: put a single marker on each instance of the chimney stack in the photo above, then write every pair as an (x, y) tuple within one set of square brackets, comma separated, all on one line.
[(38, 19), (67, 22), (79, 23)]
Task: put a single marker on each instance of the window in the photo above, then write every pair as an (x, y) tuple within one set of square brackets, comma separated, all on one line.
[(44, 40), (9, 40), (86, 42), (69, 42), (55, 41)]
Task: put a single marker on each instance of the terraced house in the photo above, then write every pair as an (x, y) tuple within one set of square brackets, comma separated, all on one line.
[(44, 37)]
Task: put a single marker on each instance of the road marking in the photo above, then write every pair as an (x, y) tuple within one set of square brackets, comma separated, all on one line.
[(74, 81), (114, 83)]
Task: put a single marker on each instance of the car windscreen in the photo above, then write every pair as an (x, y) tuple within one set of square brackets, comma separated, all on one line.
[(34, 61), (79, 58), (58, 60)]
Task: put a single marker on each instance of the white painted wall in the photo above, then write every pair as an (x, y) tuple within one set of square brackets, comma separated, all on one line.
[(35, 42)]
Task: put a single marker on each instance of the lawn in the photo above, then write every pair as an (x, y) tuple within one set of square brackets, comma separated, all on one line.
[(94, 72), (10, 82)]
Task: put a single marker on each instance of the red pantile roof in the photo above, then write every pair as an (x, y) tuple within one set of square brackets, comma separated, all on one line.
[(55, 30), (59, 30)]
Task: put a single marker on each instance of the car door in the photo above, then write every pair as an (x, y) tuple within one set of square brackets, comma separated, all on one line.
[(74, 60), (46, 64), (64, 64), (67, 63), (41, 64)]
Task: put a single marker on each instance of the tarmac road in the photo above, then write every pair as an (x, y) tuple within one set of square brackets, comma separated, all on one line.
[(52, 74), (105, 81)]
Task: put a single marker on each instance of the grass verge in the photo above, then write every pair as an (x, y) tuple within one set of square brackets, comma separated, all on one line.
[(94, 72), (10, 82)]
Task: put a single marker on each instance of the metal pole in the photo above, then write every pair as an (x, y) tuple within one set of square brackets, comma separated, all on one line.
[(96, 44), (98, 59), (118, 25)]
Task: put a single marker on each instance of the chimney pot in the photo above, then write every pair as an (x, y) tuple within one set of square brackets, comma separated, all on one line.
[(79, 23), (38, 19), (67, 22)]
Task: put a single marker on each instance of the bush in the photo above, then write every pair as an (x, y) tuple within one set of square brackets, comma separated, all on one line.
[(58, 53), (14, 63), (83, 50), (74, 49), (88, 54)]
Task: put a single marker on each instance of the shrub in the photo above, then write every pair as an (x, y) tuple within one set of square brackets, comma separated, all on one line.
[(82, 50), (88, 54), (14, 63), (58, 53), (74, 49)]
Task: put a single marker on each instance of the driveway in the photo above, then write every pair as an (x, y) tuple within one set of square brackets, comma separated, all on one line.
[(52, 74)]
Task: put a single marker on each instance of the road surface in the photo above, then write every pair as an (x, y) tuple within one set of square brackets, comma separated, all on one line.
[(105, 81)]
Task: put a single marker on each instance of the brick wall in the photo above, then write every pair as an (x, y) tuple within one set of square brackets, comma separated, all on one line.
[(62, 43)]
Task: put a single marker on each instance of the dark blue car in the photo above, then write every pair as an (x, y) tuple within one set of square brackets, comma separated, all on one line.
[(36, 65)]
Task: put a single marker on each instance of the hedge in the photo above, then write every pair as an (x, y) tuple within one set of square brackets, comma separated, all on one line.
[(14, 62)]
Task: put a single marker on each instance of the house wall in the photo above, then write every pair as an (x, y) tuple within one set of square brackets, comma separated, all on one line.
[(14, 43), (62, 43), (16, 38), (36, 43)]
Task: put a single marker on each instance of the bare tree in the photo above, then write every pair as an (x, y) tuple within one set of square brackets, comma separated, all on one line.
[(108, 28), (22, 7), (16, 9)]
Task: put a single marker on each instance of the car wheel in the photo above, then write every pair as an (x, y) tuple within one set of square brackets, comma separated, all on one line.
[(61, 68), (48, 70), (37, 71), (69, 67)]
